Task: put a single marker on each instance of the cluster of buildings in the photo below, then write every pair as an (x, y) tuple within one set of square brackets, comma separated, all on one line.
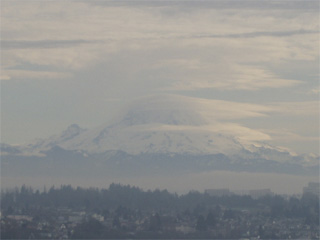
[(255, 194), (226, 222), (240, 224), (312, 188)]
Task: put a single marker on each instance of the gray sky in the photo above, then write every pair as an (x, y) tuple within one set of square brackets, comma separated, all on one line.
[(65, 62)]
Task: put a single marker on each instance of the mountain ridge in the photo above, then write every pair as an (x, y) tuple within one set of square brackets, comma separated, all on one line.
[(167, 125)]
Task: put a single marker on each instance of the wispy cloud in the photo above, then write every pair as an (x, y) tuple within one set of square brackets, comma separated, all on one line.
[(222, 76), (22, 44), (261, 34), (125, 49), (305, 108), (315, 91), (211, 110), (29, 74), (217, 4), (88, 34)]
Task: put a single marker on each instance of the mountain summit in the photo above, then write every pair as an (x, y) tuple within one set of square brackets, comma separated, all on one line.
[(154, 124), (157, 135), (171, 124)]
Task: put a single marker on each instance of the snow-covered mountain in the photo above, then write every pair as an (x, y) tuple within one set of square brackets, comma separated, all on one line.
[(157, 137), (170, 124), (70, 133), (157, 124)]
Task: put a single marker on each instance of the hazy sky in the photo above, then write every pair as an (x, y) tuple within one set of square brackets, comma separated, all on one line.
[(65, 62)]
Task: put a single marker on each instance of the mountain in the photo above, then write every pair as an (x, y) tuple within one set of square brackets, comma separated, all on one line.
[(44, 144), (157, 134)]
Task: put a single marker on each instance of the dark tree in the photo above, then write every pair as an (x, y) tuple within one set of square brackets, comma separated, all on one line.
[(211, 219), (201, 224), (155, 223)]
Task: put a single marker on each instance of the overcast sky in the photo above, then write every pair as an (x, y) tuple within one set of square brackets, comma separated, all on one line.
[(65, 62)]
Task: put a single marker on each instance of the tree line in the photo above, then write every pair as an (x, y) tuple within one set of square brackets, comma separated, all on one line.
[(130, 197)]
